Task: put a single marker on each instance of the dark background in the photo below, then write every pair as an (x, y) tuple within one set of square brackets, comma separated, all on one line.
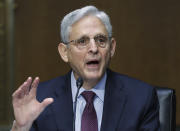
[(147, 34)]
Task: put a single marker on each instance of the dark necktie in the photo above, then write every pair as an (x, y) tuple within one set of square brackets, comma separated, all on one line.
[(89, 118)]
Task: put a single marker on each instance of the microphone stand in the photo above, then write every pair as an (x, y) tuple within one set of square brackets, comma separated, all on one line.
[(79, 83)]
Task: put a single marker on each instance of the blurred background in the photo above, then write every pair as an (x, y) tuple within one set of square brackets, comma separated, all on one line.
[(147, 35)]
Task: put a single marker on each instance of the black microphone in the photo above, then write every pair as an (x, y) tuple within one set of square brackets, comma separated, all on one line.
[(79, 83)]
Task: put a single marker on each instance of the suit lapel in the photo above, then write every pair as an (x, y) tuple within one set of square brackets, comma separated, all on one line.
[(114, 103), (63, 106)]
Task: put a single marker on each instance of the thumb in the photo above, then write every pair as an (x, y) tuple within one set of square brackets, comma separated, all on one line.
[(46, 102)]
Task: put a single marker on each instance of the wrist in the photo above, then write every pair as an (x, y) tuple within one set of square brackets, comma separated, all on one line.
[(17, 127)]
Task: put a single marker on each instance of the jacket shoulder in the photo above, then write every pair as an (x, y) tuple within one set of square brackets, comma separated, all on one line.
[(48, 88), (129, 83)]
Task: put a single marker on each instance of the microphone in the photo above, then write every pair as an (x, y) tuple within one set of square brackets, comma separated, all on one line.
[(79, 83)]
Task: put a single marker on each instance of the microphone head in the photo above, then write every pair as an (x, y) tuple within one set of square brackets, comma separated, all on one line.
[(79, 82)]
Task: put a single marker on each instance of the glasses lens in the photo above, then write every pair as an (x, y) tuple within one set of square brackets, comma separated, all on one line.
[(101, 40), (82, 42)]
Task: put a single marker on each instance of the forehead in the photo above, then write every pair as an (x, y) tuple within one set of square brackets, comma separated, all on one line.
[(88, 25)]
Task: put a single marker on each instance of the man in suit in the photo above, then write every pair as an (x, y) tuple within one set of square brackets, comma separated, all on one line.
[(107, 101)]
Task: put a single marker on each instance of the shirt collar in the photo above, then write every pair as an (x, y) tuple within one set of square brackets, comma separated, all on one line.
[(98, 89)]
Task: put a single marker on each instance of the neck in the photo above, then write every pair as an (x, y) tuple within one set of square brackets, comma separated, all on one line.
[(90, 84)]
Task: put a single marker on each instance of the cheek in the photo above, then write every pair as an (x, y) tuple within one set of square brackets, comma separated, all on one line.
[(106, 56), (76, 58)]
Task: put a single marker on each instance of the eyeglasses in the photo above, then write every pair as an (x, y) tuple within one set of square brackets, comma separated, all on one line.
[(84, 41)]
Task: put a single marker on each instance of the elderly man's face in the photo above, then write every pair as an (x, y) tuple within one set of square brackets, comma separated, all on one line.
[(92, 61)]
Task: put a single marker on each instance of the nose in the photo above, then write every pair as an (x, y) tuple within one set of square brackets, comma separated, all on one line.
[(93, 47)]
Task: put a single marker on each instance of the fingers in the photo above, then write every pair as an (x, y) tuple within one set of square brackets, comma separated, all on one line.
[(46, 102), (26, 87), (34, 86), (23, 89)]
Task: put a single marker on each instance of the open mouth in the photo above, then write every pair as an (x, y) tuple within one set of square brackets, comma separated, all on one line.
[(93, 62)]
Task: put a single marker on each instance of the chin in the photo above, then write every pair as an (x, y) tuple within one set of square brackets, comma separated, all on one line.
[(93, 76)]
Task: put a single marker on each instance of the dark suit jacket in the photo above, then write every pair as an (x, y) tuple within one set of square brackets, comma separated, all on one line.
[(129, 105)]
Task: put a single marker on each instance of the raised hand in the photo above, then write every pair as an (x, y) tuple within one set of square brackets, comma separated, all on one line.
[(25, 105)]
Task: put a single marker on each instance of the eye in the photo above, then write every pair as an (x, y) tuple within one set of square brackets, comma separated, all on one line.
[(101, 39), (82, 41)]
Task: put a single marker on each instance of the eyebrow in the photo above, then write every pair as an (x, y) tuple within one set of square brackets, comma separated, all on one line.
[(83, 36)]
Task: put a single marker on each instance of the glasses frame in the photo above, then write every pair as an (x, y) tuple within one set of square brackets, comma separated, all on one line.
[(75, 42)]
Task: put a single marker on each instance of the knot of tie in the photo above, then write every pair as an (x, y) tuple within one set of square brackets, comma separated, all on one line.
[(88, 96)]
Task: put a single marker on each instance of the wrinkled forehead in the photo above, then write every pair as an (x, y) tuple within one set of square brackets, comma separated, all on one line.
[(88, 25)]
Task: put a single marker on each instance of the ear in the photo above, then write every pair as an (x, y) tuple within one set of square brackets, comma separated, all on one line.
[(113, 47), (63, 51)]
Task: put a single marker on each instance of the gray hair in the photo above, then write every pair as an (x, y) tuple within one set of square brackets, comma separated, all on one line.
[(76, 15)]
